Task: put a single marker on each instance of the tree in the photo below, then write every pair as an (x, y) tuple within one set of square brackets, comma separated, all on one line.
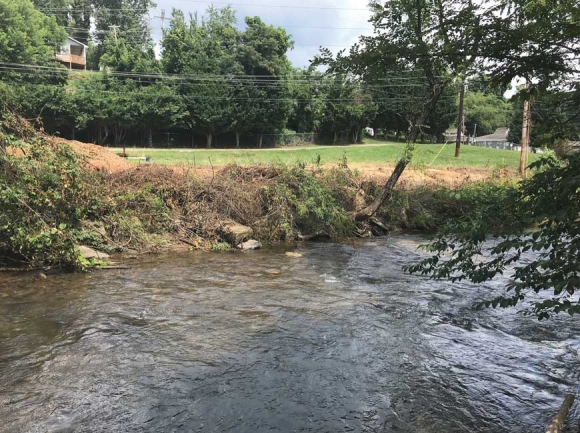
[(307, 92), (420, 35), (27, 36), (348, 110), (123, 19), (484, 113), (92, 101), (262, 55), (555, 116), (56, 9), (549, 200), (158, 106), (121, 56), (204, 50)]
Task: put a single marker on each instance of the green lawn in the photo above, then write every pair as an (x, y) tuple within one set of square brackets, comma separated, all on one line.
[(373, 153)]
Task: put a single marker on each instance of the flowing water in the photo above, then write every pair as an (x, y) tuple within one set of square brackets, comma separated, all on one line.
[(339, 340)]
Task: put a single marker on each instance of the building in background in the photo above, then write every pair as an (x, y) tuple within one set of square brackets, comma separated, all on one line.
[(451, 136), (497, 140), (73, 54)]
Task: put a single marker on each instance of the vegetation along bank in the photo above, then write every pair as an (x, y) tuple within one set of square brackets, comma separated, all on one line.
[(55, 199)]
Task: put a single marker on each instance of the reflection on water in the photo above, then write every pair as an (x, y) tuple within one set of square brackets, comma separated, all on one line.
[(338, 340)]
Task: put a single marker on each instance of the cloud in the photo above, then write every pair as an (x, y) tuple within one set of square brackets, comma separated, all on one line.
[(310, 28)]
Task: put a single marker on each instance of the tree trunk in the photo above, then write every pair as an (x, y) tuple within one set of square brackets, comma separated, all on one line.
[(525, 141), (387, 191), (209, 137), (460, 121), (335, 138), (150, 137), (73, 133), (261, 140), (237, 140)]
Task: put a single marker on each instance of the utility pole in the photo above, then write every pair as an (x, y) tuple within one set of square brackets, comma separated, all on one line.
[(162, 18), (474, 132), (114, 29), (526, 129), (460, 121)]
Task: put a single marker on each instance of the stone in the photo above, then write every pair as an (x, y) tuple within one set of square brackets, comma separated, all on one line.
[(294, 255), (321, 236), (234, 233), (250, 245), (89, 253)]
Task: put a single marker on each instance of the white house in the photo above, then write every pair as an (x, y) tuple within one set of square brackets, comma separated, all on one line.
[(497, 140), (451, 136), (73, 54)]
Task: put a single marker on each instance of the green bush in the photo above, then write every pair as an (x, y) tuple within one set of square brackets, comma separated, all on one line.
[(300, 202), (44, 192)]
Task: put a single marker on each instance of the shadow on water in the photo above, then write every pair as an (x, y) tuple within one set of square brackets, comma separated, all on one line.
[(339, 340)]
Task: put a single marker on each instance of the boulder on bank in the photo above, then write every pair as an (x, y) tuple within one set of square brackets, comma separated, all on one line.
[(89, 253), (250, 245), (234, 233)]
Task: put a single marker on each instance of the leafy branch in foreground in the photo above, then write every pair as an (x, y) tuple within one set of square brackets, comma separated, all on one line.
[(543, 264)]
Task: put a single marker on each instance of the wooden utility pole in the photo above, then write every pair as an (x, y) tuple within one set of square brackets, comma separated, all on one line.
[(114, 29), (525, 142), (460, 121), (162, 18)]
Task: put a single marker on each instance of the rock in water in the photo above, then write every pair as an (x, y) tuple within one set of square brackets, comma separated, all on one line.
[(294, 255), (250, 245), (89, 253), (234, 233)]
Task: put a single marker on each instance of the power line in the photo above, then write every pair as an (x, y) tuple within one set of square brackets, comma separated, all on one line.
[(262, 5), (199, 77), (257, 84), (266, 99), (210, 2)]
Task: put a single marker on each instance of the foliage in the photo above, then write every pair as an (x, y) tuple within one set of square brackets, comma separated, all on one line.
[(301, 202), (485, 112), (27, 36), (555, 119), (43, 195), (542, 265), (120, 55)]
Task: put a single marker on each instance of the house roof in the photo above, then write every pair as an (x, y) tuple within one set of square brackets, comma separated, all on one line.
[(500, 134), (76, 42)]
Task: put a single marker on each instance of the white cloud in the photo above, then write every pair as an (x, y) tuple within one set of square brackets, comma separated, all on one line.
[(342, 27)]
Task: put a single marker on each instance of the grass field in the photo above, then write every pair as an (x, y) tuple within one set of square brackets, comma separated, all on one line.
[(369, 153)]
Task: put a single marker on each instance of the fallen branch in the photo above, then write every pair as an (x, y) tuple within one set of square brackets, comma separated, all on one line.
[(558, 421)]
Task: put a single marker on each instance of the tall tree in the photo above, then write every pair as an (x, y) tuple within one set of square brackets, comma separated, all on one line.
[(485, 112), (27, 36), (549, 200), (55, 8), (432, 37), (206, 52), (121, 56), (126, 19), (262, 55)]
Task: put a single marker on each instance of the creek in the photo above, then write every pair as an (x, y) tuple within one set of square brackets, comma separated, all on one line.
[(339, 340)]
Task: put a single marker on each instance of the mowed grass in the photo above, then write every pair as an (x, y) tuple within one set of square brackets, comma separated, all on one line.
[(377, 153)]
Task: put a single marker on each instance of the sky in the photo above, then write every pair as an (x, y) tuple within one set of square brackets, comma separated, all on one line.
[(311, 23)]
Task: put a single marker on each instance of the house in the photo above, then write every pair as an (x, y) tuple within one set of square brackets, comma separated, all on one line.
[(73, 54), (497, 140), (451, 136)]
